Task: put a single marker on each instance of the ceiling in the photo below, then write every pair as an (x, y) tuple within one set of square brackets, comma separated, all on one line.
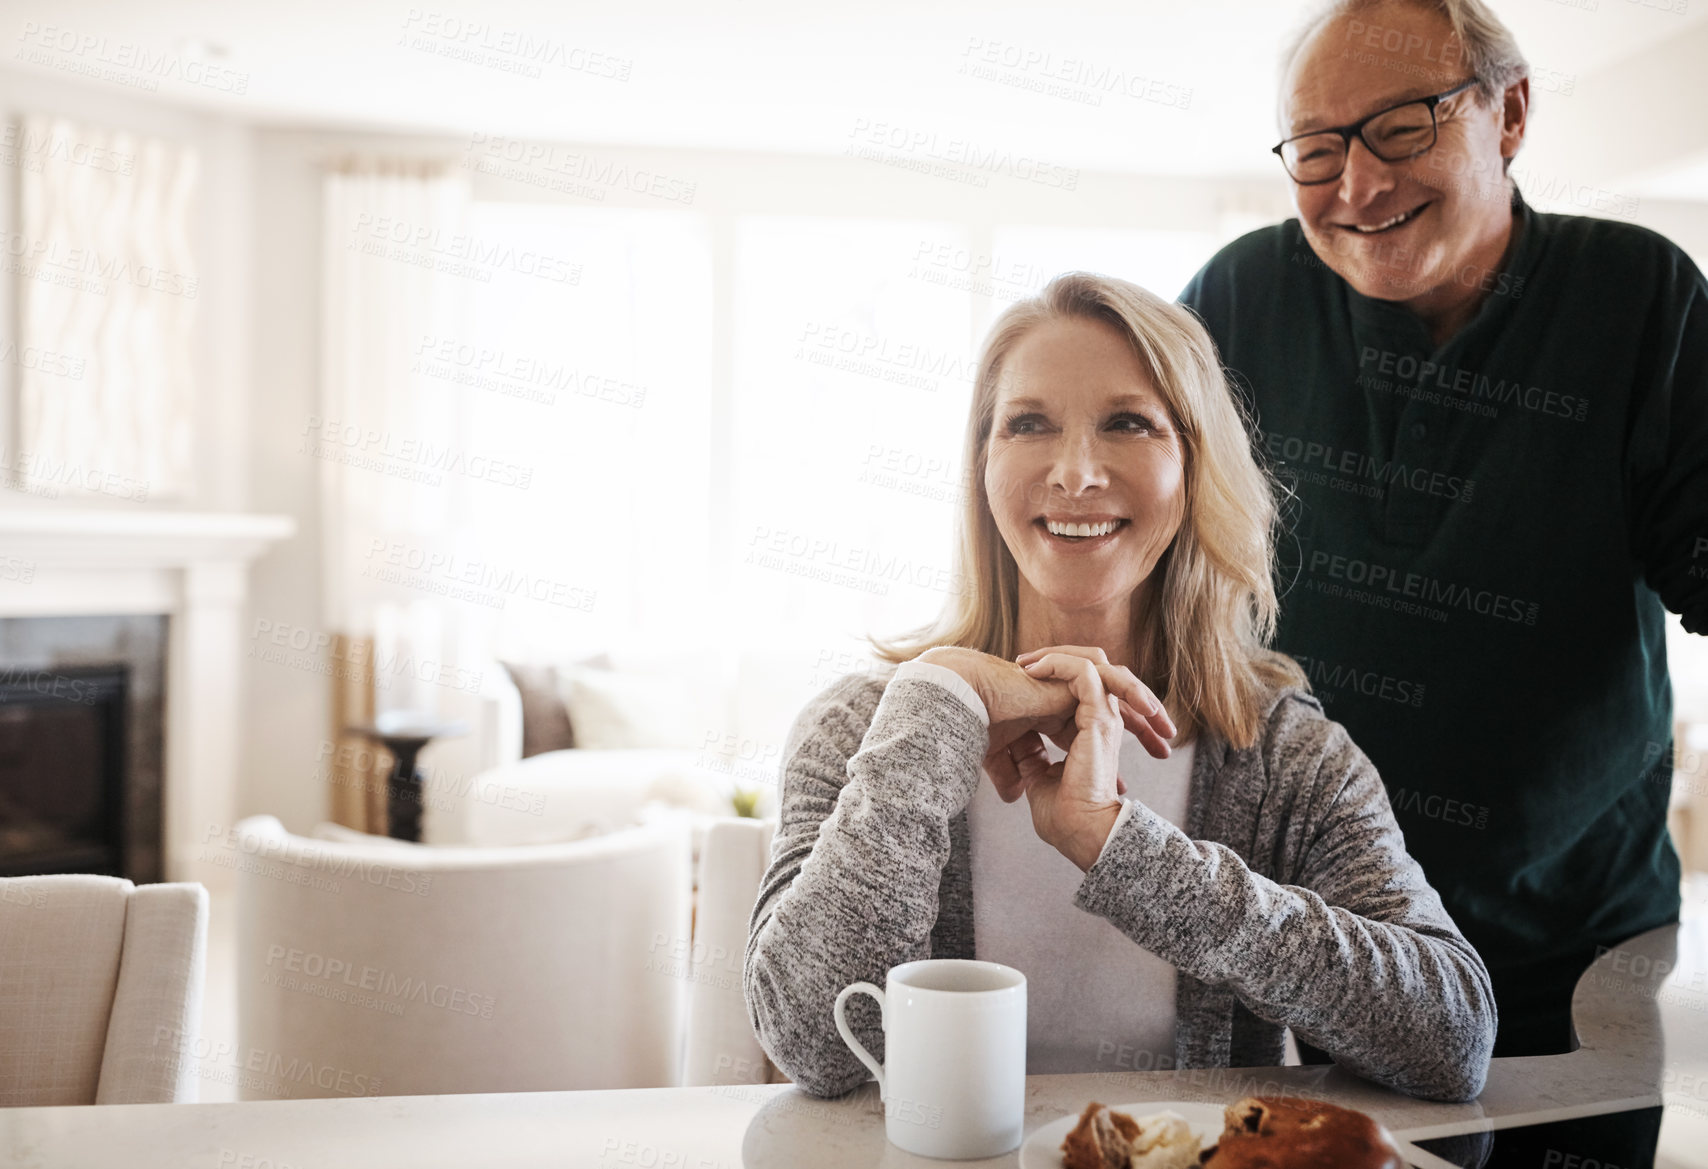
[(1195, 88)]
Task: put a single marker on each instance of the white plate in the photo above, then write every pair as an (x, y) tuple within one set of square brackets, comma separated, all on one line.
[(1043, 1149)]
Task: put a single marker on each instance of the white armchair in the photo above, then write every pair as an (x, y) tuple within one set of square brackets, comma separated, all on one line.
[(100, 990), (381, 968), (722, 1048)]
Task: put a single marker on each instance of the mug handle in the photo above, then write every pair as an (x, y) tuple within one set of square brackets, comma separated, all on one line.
[(865, 1056)]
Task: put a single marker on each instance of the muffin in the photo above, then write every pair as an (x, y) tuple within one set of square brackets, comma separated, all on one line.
[(1269, 1132)]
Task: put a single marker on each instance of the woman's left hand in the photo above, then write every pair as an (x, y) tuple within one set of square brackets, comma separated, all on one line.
[(1141, 710), (1075, 802)]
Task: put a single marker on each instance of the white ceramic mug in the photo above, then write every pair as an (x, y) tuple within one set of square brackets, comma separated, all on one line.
[(954, 1077)]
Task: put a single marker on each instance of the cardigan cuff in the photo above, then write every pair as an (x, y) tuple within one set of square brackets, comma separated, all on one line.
[(1126, 813), (950, 680)]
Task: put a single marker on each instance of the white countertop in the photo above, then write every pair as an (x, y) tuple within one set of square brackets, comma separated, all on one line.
[(1641, 1012)]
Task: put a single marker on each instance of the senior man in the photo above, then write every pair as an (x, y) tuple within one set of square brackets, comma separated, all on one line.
[(1496, 423)]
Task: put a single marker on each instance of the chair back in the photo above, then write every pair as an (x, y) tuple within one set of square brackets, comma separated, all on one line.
[(379, 968), (100, 990)]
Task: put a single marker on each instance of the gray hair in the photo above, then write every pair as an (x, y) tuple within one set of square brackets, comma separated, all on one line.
[(1488, 46)]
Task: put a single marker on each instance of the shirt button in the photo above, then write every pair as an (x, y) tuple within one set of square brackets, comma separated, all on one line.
[(1419, 431)]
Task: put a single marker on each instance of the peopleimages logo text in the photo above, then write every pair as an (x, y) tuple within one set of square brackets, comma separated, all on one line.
[(1356, 465), (1473, 384), (927, 144), (1418, 586), (381, 981), (1370, 683)]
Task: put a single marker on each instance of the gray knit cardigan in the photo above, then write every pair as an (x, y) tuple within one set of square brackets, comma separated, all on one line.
[(1289, 901)]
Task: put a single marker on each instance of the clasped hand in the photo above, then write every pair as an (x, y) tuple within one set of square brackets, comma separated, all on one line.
[(1076, 697)]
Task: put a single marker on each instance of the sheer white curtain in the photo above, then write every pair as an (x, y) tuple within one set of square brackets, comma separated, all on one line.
[(394, 469), (379, 430)]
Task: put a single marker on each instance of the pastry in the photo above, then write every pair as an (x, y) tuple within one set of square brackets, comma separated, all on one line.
[(1165, 1141), (1106, 1139), (1270, 1132)]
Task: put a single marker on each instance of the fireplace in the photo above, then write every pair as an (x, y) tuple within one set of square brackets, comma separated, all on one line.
[(81, 735), (163, 594)]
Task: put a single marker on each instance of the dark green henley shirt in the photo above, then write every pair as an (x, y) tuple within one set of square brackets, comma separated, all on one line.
[(1476, 560)]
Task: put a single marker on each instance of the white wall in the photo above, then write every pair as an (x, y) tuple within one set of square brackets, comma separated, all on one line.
[(288, 712)]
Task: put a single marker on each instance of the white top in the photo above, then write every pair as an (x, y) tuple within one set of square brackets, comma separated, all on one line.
[(1096, 1000)]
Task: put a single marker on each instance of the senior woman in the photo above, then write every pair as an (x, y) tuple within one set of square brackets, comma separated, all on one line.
[(1116, 597)]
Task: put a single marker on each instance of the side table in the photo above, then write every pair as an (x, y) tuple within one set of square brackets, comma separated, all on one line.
[(404, 734)]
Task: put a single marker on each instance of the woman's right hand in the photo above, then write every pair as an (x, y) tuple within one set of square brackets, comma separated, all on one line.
[(1019, 706), (1010, 694)]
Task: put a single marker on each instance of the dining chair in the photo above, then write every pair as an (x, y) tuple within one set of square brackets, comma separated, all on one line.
[(373, 967), (721, 1046), (100, 990)]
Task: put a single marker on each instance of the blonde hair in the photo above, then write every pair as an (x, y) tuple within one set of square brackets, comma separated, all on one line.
[(1201, 640)]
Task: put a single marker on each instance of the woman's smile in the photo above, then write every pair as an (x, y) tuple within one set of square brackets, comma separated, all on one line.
[(1074, 537)]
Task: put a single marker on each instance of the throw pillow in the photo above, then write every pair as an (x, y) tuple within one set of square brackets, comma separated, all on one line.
[(545, 721), (611, 709)]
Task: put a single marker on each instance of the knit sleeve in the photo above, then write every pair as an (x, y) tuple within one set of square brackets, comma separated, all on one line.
[(1355, 952), (851, 890)]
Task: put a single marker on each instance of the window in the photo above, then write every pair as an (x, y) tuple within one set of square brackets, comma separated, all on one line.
[(1161, 261), (854, 364), (809, 502), (593, 373)]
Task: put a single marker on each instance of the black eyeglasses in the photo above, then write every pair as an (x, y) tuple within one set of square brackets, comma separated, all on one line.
[(1393, 135)]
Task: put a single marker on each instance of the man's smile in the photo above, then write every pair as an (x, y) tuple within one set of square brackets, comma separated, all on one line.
[(1377, 227)]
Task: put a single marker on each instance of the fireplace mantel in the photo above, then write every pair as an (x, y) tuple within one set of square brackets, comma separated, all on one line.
[(191, 566), (55, 536)]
